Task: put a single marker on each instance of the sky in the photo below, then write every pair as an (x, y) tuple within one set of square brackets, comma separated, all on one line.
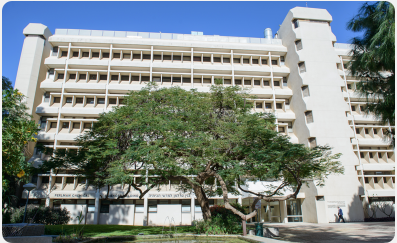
[(246, 19)]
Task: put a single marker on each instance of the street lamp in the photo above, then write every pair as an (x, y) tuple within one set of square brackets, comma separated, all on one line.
[(29, 187)]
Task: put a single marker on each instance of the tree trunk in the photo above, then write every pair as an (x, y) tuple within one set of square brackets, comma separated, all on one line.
[(203, 201)]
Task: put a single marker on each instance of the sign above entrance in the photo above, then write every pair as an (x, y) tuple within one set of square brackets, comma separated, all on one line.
[(335, 204), (168, 195)]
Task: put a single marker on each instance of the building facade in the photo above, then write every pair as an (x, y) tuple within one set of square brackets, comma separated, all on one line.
[(72, 76)]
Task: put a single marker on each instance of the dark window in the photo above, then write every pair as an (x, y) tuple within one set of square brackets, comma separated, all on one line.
[(134, 78), (236, 60), (362, 108), (187, 58), (257, 82), (75, 54), (166, 57), (375, 179), (274, 62), (145, 78), (92, 76), (121, 101), (296, 24), (281, 129), (357, 131), (265, 83), (227, 81), (83, 76), (353, 108), (279, 106), (86, 54), (125, 78), (196, 59), (366, 131), (64, 54), (53, 125), (246, 61), (79, 100), (371, 155), (60, 76), (69, 99), (226, 60), (298, 44), (207, 59), (320, 198), (285, 82), (362, 155), (264, 61), (302, 67), (156, 57), (103, 77), (101, 100), (237, 82), (81, 180), (95, 54), (282, 59), (104, 206), (58, 179), (45, 179), (87, 125), (312, 142), (57, 99), (105, 54), (76, 125), (114, 77), (146, 56), (90, 100), (349, 86), (128, 56), (136, 56), (72, 76), (69, 180), (309, 116), (247, 82), (375, 131), (366, 180), (276, 83), (259, 105), (55, 51), (65, 124), (255, 61), (176, 58), (112, 101), (217, 59), (168, 80), (116, 55), (268, 105)]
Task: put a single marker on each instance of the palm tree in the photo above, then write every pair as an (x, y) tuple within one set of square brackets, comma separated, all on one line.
[(373, 60)]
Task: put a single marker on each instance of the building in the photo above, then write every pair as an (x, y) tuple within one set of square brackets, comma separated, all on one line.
[(73, 75)]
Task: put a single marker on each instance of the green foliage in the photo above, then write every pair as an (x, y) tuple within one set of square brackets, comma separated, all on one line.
[(6, 83), (41, 215), (218, 225), (373, 59)]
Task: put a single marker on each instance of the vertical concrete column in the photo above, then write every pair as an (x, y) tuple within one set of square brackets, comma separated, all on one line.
[(145, 210), (47, 200), (96, 213), (192, 206), (283, 207)]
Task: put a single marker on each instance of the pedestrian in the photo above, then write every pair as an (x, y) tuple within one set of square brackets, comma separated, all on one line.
[(340, 215)]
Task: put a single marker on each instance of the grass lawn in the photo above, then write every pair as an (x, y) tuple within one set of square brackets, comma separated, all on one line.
[(91, 230)]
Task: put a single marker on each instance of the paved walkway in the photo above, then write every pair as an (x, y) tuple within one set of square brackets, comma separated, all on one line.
[(336, 232)]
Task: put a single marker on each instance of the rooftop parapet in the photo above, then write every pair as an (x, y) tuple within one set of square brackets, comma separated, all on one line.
[(167, 36)]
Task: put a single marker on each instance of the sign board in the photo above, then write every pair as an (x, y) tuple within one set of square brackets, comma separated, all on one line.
[(335, 204)]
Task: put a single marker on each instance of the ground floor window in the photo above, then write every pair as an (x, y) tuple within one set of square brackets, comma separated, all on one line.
[(294, 210)]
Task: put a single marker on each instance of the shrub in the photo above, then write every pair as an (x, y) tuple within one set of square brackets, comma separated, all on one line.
[(223, 221), (41, 215)]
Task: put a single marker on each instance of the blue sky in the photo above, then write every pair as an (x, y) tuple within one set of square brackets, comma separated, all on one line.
[(247, 19)]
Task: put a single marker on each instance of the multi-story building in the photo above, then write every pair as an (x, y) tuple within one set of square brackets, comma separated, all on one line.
[(72, 76)]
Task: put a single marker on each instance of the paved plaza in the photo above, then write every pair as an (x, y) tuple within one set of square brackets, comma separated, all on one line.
[(336, 232)]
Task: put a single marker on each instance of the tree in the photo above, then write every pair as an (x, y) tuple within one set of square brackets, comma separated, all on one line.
[(373, 60), (18, 129), (174, 134), (6, 83)]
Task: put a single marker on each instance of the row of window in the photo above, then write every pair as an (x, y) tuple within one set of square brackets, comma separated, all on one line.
[(80, 100)]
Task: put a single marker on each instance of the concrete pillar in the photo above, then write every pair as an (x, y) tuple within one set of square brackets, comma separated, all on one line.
[(97, 207), (50, 183), (283, 209), (145, 210), (192, 206)]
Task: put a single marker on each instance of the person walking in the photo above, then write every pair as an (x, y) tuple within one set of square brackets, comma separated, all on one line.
[(340, 215)]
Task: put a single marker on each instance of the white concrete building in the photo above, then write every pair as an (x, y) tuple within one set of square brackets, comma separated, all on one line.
[(73, 75)]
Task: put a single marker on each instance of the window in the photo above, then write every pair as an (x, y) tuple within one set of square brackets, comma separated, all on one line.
[(349, 86), (285, 82), (362, 108), (186, 206), (57, 99), (95, 54), (226, 60), (302, 67), (176, 58), (101, 101), (257, 82), (87, 125), (116, 55), (357, 130), (152, 206), (274, 62), (279, 106), (92, 76), (53, 125), (72, 76), (128, 56), (268, 105), (79, 100), (112, 101), (375, 179), (264, 61), (265, 83), (187, 58), (61, 76), (58, 179), (64, 54), (65, 124), (55, 51), (246, 61), (320, 198), (45, 179), (76, 125), (298, 45), (375, 131), (276, 83), (114, 77), (85, 54), (255, 61), (83, 76), (296, 24), (81, 180), (197, 58), (136, 56), (259, 105), (90, 100), (105, 54), (104, 206), (366, 131), (227, 81), (69, 99), (69, 180), (309, 116), (121, 101), (236, 60), (103, 77), (46, 96), (167, 57), (43, 121), (247, 82), (237, 82), (217, 59), (91, 206), (362, 155), (312, 142), (305, 91), (281, 129), (353, 108)]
